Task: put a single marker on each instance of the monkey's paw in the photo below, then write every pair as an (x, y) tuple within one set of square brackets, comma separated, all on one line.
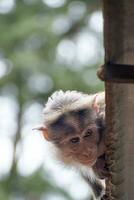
[(101, 168)]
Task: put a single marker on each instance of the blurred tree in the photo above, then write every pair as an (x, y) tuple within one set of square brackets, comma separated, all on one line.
[(45, 45)]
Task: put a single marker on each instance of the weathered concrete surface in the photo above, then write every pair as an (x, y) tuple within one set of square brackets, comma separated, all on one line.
[(119, 48)]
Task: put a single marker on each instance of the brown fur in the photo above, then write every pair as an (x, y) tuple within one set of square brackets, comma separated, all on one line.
[(76, 129)]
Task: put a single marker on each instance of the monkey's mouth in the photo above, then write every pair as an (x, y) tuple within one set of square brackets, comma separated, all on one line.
[(88, 162)]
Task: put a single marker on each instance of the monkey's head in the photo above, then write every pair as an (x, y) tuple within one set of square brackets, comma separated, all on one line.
[(70, 123)]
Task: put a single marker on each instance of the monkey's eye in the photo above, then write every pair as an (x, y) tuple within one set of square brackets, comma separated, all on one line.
[(88, 133), (74, 140)]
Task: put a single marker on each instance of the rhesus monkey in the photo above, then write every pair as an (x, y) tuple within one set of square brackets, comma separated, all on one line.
[(75, 124)]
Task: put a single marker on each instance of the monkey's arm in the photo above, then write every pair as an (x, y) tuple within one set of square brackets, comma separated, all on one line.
[(96, 185), (100, 166)]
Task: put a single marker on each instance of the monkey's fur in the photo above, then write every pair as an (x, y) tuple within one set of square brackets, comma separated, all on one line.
[(75, 124)]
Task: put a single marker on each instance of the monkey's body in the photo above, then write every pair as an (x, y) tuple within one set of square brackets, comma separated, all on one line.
[(74, 124)]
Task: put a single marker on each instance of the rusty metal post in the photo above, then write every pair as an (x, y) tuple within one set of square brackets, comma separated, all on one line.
[(119, 48)]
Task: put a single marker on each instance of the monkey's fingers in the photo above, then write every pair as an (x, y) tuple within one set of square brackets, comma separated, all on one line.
[(101, 168)]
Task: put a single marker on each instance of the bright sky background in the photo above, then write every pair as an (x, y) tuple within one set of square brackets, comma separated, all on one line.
[(33, 148)]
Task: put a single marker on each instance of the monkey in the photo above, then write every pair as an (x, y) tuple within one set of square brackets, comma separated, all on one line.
[(74, 123)]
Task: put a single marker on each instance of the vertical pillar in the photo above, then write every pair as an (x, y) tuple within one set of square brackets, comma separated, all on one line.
[(119, 49)]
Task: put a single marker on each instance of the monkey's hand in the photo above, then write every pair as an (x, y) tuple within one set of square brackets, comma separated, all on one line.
[(100, 167)]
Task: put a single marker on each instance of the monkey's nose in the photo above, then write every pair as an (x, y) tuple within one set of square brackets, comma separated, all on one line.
[(86, 155)]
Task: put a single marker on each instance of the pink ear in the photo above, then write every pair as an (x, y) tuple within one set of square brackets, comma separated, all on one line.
[(43, 130), (95, 106)]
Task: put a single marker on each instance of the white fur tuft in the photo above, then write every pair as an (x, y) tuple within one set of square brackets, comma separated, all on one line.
[(60, 102)]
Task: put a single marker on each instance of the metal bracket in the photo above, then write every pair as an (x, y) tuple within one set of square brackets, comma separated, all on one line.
[(120, 73)]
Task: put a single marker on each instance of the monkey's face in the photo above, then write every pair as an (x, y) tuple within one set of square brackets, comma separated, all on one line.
[(76, 136), (81, 147)]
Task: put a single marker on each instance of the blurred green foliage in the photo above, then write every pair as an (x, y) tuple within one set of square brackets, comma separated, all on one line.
[(30, 35)]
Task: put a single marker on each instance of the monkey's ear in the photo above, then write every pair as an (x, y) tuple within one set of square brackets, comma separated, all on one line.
[(43, 131), (95, 105)]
